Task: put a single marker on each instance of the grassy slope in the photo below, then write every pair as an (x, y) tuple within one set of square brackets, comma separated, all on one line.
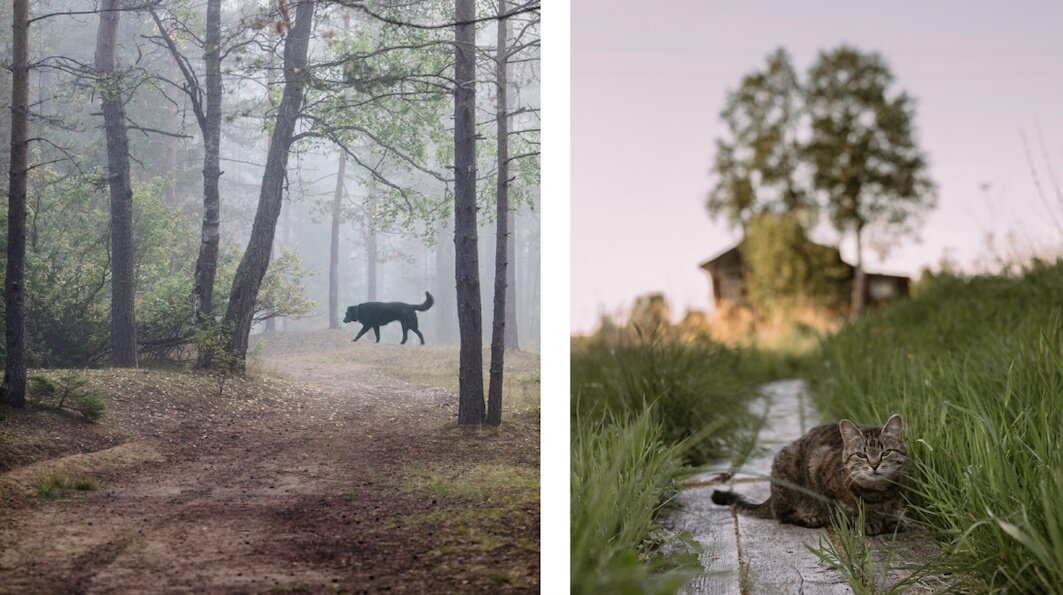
[(976, 368)]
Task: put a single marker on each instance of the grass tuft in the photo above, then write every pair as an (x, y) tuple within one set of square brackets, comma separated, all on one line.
[(57, 486)]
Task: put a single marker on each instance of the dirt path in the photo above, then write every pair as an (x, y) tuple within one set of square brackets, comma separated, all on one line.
[(351, 483)]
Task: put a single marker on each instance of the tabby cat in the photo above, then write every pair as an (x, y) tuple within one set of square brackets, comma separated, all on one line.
[(843, 464)]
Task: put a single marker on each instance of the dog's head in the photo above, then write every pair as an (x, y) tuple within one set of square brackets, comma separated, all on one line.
[(352, 314)]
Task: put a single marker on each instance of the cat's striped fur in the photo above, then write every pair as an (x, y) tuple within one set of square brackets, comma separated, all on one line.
[(839, 465)]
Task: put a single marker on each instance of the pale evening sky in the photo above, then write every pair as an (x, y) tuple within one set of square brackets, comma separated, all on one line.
[(649, 81)]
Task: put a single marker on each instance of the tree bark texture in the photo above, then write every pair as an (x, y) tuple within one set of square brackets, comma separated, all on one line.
[(253, 265), (123, 317), (13, 389), (502, 268), (466, 267), (334, 246), (860, 279), (207, 261)]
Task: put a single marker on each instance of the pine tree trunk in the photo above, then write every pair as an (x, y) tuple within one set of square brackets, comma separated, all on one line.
[(123, 317), (207, 262), (13, 389), (334, 247), (253, 265), (503, 272), (466, 262)]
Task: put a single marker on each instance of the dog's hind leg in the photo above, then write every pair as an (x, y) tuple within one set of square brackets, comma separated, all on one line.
[(405, 331), (413, 327), (376, 331), (365, 329)]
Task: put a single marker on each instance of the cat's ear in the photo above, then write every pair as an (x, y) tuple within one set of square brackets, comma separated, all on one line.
[(893, 426), (850, 433)]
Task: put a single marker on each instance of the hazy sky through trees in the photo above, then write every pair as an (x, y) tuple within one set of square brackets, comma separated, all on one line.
[(648, 86)]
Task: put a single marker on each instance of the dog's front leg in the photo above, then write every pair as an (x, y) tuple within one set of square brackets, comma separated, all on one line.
[(376, 331), (365, 329)]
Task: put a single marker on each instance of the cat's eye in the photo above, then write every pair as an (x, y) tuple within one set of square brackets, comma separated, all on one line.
[(862, 455), (887, 452)]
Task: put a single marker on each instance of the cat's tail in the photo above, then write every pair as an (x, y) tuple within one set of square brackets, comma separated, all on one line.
[(744, 505)]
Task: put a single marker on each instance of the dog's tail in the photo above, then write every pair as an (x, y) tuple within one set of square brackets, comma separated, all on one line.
[(761, 510), (428, 301)]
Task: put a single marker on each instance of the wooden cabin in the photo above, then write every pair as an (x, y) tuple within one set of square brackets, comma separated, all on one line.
[(727, 275)]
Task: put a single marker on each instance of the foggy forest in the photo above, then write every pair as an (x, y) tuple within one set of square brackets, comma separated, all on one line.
[(274, 265)]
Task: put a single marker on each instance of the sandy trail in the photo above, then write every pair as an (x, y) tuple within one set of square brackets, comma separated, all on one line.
[(302, 496)]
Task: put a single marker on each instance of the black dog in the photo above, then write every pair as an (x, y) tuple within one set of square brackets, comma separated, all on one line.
[(374, 315)]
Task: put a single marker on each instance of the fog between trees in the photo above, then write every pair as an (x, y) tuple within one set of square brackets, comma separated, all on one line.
[(373, 98)]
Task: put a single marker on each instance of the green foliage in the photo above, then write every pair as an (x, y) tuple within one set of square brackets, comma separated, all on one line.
[(212, 343), (785, 268), (862, 149), (283, 292), (67, 391), (698, 392), (68, 278), (643, 408), (61, 485), (756, 164), (975, 366)]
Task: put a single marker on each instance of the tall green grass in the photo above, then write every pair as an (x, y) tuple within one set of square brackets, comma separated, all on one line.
[(697, 391), (623, 473), (643, 410), (976, 369)]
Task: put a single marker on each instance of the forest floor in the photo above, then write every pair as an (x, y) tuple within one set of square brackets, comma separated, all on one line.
[(333, 467)]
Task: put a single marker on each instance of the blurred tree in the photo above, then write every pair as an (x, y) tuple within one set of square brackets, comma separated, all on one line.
[(785, 268), (756, 163), (862, 150)]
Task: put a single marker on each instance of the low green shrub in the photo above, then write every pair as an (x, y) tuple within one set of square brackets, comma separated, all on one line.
[(67, 391)]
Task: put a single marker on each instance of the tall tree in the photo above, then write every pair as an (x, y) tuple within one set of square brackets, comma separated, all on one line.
[(334, 245), (862, 150), (240, 312), (123, 317), (503, 269), (13, 389), (756, 161), (466, 267), (207, 109)]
